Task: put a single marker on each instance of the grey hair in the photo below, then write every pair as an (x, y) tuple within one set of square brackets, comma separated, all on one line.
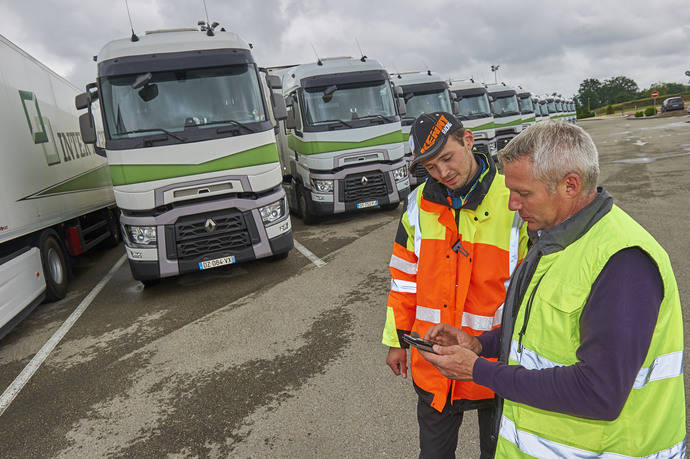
[(556, 149)]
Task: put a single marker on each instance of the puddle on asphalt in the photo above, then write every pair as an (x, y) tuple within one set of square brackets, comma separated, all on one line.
[(647, 160)]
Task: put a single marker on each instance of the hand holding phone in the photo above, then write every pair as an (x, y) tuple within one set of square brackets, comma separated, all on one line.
[(419, 343)]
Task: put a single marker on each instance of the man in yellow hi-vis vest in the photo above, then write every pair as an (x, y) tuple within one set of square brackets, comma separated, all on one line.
[(591, 343)]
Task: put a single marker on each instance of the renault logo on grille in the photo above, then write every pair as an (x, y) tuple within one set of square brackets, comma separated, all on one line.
[(210, 225), (365, 180)]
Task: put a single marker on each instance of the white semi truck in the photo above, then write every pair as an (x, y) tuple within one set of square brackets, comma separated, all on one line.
[(341, 145), (540, 109), (526, 107), (423, 92), (506, 111), (56, 198), (474, 111), (189, 137)]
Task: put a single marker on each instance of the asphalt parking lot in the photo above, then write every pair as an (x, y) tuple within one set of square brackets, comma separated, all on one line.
[(275, 359)]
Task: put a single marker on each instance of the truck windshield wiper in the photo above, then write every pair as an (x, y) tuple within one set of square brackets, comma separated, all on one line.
[(334, 121), (236, 123), (384, 118), (140, 131)]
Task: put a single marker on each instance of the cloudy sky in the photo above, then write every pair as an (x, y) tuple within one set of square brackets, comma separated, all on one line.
[(547, 46)]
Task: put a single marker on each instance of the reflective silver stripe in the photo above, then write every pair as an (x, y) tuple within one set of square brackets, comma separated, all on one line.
[(403, 265), (428, 314), (413, 220), (514, 250), (663, 367), (498, 316), (403, 286), (530, 359), (536, 446), (480, 323)]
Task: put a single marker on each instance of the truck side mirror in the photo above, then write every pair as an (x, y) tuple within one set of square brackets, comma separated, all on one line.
[(398, 91), (82, 101), (274, 82), (402, 109), (456, 107), (290, 119), (278, 104), (87, 128)]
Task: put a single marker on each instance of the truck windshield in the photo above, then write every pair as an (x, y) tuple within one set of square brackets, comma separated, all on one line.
[(175, 101), (526, 105), (506, 106), (559, 106), (426, 102), (475, 106), (552, 106), (359, 104)]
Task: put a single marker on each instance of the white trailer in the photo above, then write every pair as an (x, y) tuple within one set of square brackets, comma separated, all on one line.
[(423, 92), (189, 137), (56, 197), (341, 145), (474, 110), (506, 111)]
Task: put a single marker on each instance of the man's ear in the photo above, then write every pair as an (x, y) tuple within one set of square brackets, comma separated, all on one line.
[(571, 185), (468, 138)]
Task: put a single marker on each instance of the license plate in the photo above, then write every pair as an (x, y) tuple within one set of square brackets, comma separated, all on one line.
[(217, 262), (364, 205)]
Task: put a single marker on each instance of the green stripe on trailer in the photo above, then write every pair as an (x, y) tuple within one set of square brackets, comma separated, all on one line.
[(529, 120), (137, 173), (312, 148), (481, 127)]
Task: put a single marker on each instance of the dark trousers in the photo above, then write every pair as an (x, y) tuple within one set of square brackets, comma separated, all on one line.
[(438, 432)]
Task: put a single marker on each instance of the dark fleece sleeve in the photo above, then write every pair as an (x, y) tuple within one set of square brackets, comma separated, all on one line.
[(616, 330)]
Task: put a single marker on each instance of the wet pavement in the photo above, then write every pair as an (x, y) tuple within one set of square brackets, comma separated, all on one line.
[(275, 358)]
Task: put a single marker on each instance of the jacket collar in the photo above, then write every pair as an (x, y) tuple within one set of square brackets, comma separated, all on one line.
[(436, 193)]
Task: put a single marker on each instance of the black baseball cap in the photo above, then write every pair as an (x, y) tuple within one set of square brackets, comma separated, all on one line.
[(429, 134)]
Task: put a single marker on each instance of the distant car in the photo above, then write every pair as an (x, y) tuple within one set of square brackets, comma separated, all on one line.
[(672, 103)]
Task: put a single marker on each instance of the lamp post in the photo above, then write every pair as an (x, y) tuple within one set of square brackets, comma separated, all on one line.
[(494, 68)]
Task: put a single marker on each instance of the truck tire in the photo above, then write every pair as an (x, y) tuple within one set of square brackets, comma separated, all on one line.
[(54, 262), (308, 216)]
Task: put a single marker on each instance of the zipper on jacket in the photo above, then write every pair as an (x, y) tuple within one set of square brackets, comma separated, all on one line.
[(528, 310)]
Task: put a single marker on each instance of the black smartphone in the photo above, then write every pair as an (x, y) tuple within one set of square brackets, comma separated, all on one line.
[(419, 343)]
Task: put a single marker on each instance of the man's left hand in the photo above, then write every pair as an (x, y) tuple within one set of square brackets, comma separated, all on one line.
[(454, 362)]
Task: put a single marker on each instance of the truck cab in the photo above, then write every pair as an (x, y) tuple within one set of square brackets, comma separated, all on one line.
[(423, 92), (506, 111), (526, 107), (189, 137), (341, 145), (474, 111)]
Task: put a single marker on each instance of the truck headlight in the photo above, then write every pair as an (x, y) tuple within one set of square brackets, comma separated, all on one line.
[(492, 147), (479, 135), (400, 174), (272, 212), (322, 186), (141, 235)]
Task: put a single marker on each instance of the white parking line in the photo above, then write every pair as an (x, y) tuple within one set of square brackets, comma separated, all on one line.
[(313, 258), (28, 371)]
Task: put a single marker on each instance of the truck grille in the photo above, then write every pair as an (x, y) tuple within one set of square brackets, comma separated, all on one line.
[(230, 233), (357, 189), (420, 172), (500, 143)]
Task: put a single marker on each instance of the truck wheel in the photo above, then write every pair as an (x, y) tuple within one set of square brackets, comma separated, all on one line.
[(54, 266), (308, 217)]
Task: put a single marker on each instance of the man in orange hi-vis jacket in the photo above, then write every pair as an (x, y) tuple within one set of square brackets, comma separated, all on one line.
[(456, 247)]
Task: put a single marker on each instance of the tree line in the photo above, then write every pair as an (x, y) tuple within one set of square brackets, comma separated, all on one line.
[(594, 93)]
